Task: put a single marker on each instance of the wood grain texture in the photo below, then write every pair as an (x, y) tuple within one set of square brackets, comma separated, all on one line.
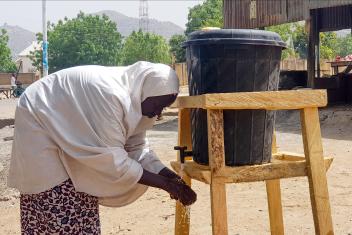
[(270, 100), (216, 140), (290, 156), (218, 207), (278, 169), (194, 171), (273, 191), (184, 130), (216, 150), (182, 214), (318, 186)]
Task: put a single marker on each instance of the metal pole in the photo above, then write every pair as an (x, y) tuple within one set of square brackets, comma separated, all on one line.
[(45, 40)]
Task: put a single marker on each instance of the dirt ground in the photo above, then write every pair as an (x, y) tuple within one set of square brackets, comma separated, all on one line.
[(153, 213)]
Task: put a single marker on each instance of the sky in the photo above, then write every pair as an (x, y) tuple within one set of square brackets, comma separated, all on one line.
[(28, 14)]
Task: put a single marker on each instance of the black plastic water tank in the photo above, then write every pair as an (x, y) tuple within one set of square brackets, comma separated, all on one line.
[(234, 60)]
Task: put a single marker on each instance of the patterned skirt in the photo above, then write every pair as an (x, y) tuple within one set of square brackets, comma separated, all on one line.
[(60, 210)]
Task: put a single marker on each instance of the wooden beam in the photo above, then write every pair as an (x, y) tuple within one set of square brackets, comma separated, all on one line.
[(318, 186), (270, 100), (182, 214), (273, 191), (289, 156), (194, 171), (216, 151), (216, 141), (313, 35), (278, 169)]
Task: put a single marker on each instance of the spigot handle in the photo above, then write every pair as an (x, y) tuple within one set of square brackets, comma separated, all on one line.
[(182, 150)]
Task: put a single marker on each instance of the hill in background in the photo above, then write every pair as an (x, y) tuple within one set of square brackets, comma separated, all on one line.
[(20, 38), (126, 25)]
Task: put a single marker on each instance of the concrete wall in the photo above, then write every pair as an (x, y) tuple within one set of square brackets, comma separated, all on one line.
[(27, 66)]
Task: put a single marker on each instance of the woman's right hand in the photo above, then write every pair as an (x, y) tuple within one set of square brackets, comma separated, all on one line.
[(180, 191), (176, 187)]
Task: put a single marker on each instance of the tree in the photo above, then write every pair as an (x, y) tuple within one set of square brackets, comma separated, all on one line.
[(176, 49), (300, 41), (286, 32), (84, 40), (208, 14), (145, 46), (344, 46), (296, 37), (6, 64), (328, 44)]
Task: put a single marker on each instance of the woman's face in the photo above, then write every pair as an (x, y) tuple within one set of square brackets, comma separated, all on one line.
[(153, 106)]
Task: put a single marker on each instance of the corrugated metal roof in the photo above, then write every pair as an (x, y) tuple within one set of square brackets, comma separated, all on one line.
[(260, 13), (334, 18)]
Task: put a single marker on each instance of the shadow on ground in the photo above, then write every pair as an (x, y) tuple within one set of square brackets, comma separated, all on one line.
[(6, 122)]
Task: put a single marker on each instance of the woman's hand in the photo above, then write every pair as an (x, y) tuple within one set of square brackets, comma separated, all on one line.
[(174, 185), (169, 174), (180, 191)]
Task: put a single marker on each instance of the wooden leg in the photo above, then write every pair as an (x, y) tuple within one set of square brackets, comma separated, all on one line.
[(182, 214), (217, 163), (218, 208), (273, 192), (275, 208), (318, 186)]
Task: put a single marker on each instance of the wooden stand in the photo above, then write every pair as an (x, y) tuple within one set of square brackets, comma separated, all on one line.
[(284, 165)]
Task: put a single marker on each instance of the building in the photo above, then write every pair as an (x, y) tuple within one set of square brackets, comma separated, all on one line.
[(319, 15), (24, 58)]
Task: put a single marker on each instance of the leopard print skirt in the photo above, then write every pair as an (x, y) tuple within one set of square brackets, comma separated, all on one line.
[(60, 210)]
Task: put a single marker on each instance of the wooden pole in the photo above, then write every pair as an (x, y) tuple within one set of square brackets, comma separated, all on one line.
[(273, 191), (318, 186), (217, 163), (317, 44), (313, 47), (311, 50), (182, 214)]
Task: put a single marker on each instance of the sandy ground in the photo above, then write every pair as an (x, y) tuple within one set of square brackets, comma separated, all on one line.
[(153, 213)]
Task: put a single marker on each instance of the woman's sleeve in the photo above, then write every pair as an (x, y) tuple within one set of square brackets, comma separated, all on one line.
[(138, 149), (111, 132)]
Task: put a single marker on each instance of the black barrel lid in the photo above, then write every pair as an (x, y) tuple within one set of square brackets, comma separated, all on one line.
[(235, 36)]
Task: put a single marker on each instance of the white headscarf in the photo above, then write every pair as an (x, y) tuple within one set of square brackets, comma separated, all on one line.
[(143, 80)]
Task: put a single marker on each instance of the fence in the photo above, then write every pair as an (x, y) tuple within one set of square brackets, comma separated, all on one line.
[(301, 65), (286, 65), (181, 71), (24, 78)]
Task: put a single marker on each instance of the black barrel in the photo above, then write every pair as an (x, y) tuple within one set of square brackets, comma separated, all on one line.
[(234, 60)]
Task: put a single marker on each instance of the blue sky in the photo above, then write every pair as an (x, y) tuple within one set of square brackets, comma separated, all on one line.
[(27, 14)]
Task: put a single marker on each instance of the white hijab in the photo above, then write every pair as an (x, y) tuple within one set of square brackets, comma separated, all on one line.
[(143, 80)]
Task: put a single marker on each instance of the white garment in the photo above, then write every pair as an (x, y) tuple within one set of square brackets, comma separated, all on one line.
[(85, 123)]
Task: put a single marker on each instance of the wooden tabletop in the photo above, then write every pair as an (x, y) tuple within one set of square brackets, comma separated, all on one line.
[(339, 63), (269, 100)]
